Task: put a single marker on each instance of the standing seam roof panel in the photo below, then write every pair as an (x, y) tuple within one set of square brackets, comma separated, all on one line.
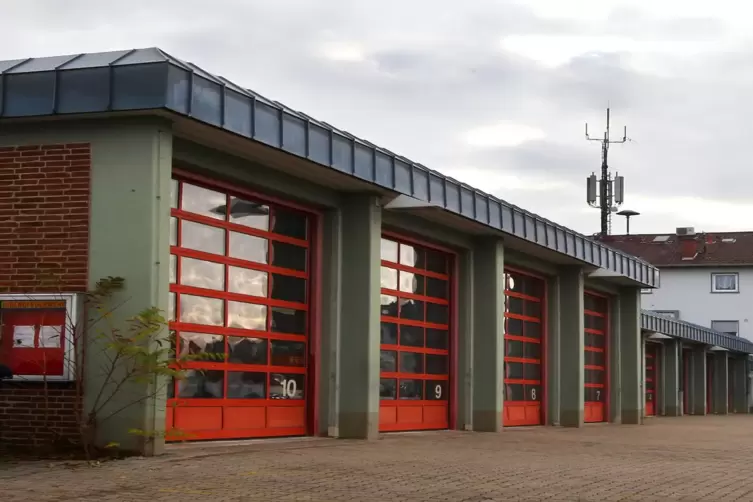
[(653, 321)]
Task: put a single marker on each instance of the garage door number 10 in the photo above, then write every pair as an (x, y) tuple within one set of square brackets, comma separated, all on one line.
[(289, 388)]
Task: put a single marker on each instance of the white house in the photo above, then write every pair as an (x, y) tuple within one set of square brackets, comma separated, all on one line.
[(706, 277)]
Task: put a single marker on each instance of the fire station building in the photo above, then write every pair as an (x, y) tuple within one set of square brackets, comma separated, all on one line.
[(348, 290)]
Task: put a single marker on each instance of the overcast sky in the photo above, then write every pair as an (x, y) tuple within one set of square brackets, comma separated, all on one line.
[(492, 92)]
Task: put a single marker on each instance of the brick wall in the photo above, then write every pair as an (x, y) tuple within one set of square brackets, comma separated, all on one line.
[(24, 423), (44, 224), (44, 212)]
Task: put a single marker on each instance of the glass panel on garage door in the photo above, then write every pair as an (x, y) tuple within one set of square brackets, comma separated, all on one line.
[(240, 304), (652, 373), (595, 322), (524, 350), (415, 383)]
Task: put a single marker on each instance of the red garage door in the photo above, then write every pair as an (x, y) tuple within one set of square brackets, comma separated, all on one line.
[(595, 357), (415, 364), (240, 293), (524, 350), (652, 360)]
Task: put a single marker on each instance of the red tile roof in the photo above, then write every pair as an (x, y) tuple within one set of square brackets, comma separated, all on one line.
[(701, 249)]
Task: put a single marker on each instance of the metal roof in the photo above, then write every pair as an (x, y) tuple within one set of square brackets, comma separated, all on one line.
[(145, 79), (653, 321)]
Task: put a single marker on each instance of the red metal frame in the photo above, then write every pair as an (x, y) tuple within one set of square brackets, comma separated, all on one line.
[(401, 415), (261, 417), (652, 376), (454, 294), (519, 413), (597, 411)]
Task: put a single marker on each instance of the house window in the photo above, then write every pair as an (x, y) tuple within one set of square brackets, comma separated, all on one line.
[(728, 327), (724, 283)]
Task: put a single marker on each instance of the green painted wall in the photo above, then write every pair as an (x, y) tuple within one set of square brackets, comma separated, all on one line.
[(488, 334), (129, 224), (132, 162), (571, 347), (359, 319)]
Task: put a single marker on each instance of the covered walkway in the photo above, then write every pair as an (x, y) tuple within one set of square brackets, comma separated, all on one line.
[(692, 370)]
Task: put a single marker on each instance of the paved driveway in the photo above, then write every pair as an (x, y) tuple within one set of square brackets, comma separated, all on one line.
[(689, 458)]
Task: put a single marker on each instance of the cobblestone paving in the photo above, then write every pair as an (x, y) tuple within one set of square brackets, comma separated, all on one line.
[(688, 459)]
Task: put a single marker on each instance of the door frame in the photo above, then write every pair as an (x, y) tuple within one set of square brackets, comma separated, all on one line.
[(607, 352), (544, 361), (453, 270), (182, 173)]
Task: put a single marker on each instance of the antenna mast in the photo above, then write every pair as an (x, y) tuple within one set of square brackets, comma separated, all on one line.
[(611, 190)]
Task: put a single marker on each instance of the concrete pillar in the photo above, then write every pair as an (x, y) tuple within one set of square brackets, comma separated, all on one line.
[(720, 383), (698, 381), (739, 384), (686, 380), (129, 232), (553, 348), (488, 335), (329, 304), (631, 356), (359, 318), (671, 383), (465, 317), (571, 347), (660, 379)]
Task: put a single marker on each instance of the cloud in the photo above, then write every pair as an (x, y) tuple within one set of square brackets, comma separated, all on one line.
[(518, 79), (502, 134)]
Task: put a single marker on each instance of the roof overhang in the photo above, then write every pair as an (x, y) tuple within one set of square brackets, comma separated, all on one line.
[(405, 202), (152, 81), (658, 324)]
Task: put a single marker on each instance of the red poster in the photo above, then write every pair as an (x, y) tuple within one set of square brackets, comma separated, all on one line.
[(33, 338)]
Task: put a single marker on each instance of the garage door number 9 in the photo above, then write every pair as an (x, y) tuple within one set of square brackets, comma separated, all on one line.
[(438, 392)]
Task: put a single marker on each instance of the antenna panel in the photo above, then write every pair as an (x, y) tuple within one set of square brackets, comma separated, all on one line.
[(619, 189), (591, 189)]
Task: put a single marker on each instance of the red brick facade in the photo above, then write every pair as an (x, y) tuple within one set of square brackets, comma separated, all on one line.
[(44, 210), (38, 416), (44, 223)]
